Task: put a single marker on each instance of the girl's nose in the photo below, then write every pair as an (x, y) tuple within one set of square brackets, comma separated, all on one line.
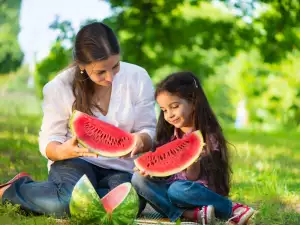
[(170, 114)]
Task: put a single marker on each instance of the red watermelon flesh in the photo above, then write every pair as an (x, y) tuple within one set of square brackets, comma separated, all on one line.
[(172, 157), (115, 197), (99, 136)]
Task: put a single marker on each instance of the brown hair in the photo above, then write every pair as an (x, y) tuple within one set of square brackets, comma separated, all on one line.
[(215, 165), (95, 41)]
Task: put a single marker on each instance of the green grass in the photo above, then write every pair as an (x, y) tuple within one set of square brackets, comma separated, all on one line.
[(266, 171)]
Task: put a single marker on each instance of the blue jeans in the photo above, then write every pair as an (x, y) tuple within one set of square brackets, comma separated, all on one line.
[(172, 199), (52, 197)]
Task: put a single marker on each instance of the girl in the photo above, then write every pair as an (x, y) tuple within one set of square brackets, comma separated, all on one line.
[(99, 84), (199, 192)]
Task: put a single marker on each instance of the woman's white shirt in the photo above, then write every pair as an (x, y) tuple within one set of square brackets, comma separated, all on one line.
[(131, 108)]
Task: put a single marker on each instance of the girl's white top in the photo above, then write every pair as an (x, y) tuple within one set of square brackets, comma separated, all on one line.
[(131, 108)]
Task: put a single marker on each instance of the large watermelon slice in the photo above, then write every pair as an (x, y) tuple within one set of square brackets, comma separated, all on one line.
[(119, 207), (100, 137), (172, 157)]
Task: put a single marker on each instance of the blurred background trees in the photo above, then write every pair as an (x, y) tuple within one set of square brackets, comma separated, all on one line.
[(244, 52), (11, 55)]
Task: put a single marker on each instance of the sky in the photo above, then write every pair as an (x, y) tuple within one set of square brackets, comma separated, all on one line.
[(35, 37)]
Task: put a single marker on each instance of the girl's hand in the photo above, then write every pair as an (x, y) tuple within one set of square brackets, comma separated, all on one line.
[(141, 172), (70, 149)]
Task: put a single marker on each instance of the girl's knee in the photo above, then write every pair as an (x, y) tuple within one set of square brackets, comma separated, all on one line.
[(178, 190)]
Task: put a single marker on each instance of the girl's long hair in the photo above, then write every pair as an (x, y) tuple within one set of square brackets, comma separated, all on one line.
[(95, 41), (215, 166)]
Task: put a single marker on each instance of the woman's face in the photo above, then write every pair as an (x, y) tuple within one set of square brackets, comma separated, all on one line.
[(102, 72)]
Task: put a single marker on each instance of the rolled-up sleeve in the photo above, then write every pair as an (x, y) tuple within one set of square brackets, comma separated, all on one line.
[(55, 116), (145, 118)]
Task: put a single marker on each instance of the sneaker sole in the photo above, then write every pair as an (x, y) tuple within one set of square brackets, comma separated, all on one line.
[(211, 212)]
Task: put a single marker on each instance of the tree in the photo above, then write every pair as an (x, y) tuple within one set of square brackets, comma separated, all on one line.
[(11, 55)]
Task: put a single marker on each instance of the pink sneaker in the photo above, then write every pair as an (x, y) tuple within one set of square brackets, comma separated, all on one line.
[(241, 214), (205, 215), (18, 176)]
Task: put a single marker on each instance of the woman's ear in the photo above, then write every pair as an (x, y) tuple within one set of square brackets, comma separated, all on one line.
[(81, 67)]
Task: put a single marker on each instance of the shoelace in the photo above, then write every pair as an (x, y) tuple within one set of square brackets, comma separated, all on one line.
[(202, 215), (231, 218)]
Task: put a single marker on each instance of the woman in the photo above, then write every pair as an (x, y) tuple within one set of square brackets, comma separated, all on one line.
[(98, 84)]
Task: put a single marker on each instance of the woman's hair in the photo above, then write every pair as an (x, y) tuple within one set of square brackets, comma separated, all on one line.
[(215, 165), (95, 41)]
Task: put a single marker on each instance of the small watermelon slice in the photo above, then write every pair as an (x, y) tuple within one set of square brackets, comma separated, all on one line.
[(100, 137), (120, 206), (172, 157)]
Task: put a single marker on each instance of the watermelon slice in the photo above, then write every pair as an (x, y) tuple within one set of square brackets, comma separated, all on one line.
[(100, 137), (120, 206), (172, 157)]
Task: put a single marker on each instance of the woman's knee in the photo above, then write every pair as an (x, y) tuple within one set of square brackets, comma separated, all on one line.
[(118, 179), (138, 181)]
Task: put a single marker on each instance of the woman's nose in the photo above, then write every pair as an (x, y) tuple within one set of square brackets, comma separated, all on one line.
[(109, 76)]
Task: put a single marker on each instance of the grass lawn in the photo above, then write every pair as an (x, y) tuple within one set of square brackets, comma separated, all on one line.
[(266, 166)]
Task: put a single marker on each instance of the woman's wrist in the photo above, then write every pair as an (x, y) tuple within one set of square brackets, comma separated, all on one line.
[(52, 151), (147, 142)]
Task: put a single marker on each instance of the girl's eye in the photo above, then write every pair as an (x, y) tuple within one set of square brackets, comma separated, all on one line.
[(175, 106)]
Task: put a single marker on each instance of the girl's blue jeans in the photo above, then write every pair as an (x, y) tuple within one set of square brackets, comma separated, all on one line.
[(52, 197), (172, 199)]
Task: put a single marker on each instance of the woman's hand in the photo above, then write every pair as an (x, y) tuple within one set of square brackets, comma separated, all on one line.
[(67, 150), (141, 144)]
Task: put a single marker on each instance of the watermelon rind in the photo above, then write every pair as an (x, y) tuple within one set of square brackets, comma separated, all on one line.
[(126, 212), (181, 167), (99, 151), (85, 205)]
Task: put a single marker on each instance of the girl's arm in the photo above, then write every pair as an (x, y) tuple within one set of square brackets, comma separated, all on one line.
[(193, 171)]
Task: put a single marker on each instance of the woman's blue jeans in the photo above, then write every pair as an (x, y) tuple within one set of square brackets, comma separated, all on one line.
[(172, 199), (52, 197)]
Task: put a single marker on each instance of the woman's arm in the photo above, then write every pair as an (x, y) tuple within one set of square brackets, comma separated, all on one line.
[(57, 151), (145, 118), (54, 127)]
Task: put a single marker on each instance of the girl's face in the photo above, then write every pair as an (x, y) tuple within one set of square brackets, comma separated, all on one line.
[(102, 72), (177, 111)]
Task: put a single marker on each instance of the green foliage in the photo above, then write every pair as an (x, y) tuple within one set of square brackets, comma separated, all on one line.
[(58, 59), (11, 55), (270, 90), (18, 81), (235, 59), (178, 34)]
